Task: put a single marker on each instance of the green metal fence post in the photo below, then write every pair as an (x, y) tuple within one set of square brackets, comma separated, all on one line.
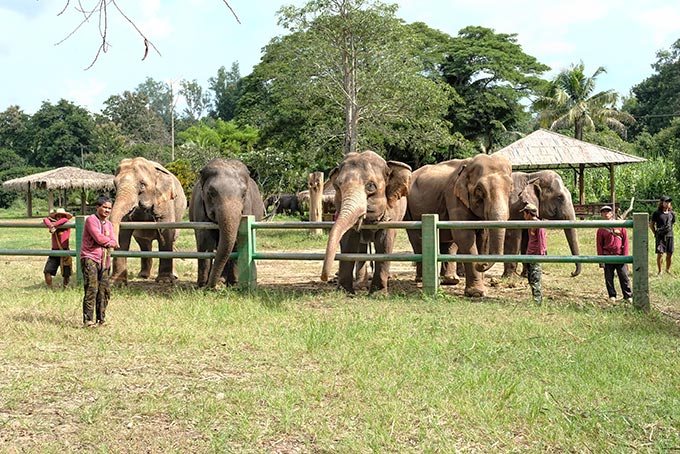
[(80, 227), (641, 261), (430, 265), (247, 271)]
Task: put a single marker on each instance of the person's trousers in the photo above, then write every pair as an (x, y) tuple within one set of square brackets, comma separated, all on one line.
[(97, 290), (621, 270), (534, 277)]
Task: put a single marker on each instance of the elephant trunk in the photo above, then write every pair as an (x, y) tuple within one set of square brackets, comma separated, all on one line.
[(126, 201), (497, 212), (572, 239), (352, 208), (228, 220)]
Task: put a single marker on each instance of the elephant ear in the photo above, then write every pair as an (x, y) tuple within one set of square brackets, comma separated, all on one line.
[(460, 187), (531, 192), (165, 185), (398, 182), (331, 181)]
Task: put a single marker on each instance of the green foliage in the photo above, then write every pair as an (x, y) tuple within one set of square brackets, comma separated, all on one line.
[(197, 102), (10, 172), (227, 87), (187, 177), (139, 123), (657, 98), (571, 101), (14, 124)]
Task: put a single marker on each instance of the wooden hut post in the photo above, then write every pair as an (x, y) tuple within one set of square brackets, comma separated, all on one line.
[(83, 202), (581, 184), (29, 201), (612, 190), (50, 201), (315, 185)]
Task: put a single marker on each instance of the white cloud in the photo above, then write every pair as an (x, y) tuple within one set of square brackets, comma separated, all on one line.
[(84, 92), (663, 23)]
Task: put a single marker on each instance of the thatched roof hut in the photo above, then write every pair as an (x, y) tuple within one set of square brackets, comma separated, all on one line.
[(543, 149), (63, 178)]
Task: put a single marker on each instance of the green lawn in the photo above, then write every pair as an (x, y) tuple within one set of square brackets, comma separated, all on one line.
[(299, 367)]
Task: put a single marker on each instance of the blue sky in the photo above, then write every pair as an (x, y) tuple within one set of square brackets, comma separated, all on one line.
[(196, 37)]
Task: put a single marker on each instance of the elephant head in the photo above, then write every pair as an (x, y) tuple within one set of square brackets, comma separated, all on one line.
[(145, 188), (367, 189), (482, 188), (223, 193), (554, 203)]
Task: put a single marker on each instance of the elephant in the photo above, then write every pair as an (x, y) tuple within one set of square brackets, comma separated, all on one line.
[(368, 190), (283, 203), (146, 191), (547, 191), (223, 193), (476, 188)]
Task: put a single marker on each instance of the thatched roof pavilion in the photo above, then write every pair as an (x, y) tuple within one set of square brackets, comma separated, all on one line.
[(543, 149), (63, 178)]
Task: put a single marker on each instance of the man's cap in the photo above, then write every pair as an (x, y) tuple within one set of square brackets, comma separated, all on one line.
[(531, 208), (60, 212), (665, 198), (605, 208)]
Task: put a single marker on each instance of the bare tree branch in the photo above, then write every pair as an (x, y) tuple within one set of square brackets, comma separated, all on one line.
[(101, 9)]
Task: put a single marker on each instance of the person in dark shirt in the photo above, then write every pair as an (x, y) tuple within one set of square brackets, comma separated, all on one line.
[(614, 241), (537, 246), (661, 225)]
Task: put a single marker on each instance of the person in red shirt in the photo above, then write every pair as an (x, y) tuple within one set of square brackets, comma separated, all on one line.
[(614, 241), (95, 262), (537, 246), (60, 237)]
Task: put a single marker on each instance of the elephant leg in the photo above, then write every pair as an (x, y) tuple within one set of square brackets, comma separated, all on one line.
[(449, 275), (361, 277), (513, 238), (523, 248), (350, 243), (206, 241), (119, 265), (146, 245), (474, 282), (166, 272), (417, 244), (230, 273), (384, 244)]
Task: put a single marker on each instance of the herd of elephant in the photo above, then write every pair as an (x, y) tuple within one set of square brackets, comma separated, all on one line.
[(368, 189)]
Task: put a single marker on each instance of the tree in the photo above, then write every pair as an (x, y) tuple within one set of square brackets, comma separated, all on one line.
[(656, 99), (59, 135), (569, 102), (227, 87), (139, 123), (347, 76), (160, 99), (196, 100), (13, 130)]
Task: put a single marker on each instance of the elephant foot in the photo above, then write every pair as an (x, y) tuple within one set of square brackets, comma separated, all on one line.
[(144, 275), (450, 280), (363, 284), (475, 292), (166, 279)]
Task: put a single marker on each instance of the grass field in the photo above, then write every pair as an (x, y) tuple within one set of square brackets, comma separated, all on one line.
[(299, 367)]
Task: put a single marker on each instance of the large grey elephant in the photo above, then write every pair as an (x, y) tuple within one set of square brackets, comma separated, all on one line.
[(476, 188), (223, 193), (367, 190), (146, 192), (547, 191)]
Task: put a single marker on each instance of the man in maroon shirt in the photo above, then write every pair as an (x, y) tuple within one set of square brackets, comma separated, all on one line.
[(614, 241), (537, 246), (60, 237)]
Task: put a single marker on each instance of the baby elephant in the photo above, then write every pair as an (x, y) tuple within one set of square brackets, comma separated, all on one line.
[(284, 203)]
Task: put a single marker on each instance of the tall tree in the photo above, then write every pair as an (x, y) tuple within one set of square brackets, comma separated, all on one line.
[(197, 101), (347, 76), (13, 130), (160, 99), (657, 98), (571, 101), (60, 134), (492, 75), (227, 87)]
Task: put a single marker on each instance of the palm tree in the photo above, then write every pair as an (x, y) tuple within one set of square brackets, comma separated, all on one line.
[(569, 101)]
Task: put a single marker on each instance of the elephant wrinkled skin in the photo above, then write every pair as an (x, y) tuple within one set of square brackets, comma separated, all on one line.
[(472, 189), (547, 191), (223, 194), (146, 192), (367, 190)]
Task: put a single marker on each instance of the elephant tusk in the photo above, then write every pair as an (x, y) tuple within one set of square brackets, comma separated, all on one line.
[(359, 222)]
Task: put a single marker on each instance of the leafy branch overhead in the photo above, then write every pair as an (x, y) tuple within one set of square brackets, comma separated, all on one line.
[(100, 11)]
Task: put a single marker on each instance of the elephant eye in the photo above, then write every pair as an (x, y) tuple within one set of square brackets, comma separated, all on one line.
[(371, 187)]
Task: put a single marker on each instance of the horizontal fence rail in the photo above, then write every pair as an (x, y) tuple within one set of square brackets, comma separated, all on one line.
[(431, 258)]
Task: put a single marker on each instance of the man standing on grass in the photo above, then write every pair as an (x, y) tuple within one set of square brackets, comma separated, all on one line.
[(537, 246), (60, 237), (95, 261), (662, 227), (614, 241)]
